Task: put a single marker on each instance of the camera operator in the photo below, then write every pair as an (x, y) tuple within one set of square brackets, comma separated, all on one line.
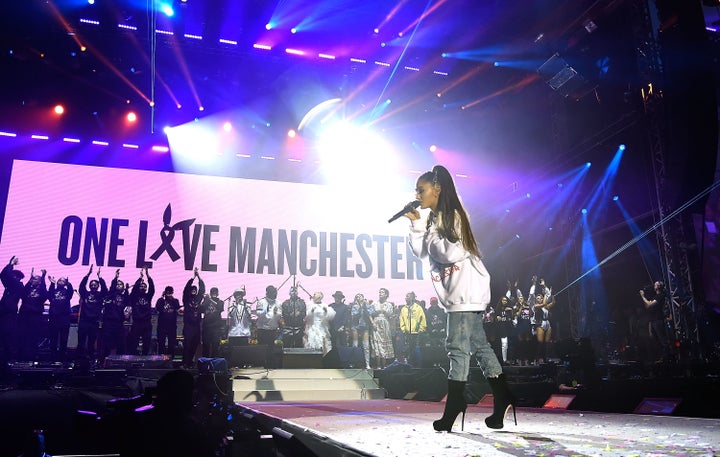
[(655, 310)]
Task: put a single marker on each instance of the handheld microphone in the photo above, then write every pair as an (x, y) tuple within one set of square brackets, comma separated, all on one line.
[(409, 207)]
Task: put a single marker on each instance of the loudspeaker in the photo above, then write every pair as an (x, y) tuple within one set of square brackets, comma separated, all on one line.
[(559, 401), (137, 361), (254, 355), (207, 365), (664, 406), (431, 385), (487, 400), (302, 358), (431, 357), (344, 357)]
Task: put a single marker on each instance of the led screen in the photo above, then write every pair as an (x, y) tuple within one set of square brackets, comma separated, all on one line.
[(64, 218)]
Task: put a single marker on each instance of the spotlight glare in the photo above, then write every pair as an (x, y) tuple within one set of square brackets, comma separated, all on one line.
[(615, 198), (433, 148), (268, 26), (167, 10), (292, 133), (584, 210), (376, 30), (131, 117), (201, 108), (227, 126), (59, 109), (587, 164), (621, 147), (293, 30)]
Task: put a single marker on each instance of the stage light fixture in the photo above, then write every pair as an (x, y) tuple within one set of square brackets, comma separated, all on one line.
[(227, 126), (292, 133), (131, 117), (615, 198), (167, 9), (588, 164), (584, 210), (622, 147), (293, 30), (59, 110), (433, 148)]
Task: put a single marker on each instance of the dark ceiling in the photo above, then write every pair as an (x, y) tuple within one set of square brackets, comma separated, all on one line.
[(499, 110), (504, 124)]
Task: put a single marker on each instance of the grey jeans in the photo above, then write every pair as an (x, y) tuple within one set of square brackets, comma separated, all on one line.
[(466, 336)]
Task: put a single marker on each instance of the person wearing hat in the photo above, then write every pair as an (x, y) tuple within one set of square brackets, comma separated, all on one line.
[(167, 308), (268, 312), (239, 319), (340, 324), (212, 323)]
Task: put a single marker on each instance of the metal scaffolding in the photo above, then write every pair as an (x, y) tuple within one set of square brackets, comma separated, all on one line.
[(671, 235)]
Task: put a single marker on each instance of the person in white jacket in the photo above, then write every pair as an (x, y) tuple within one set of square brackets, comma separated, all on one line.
[(462, 284)]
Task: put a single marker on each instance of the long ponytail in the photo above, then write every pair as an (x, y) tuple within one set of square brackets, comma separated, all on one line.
[(448, 207)]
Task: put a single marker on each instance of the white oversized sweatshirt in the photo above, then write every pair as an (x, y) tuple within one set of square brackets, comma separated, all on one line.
[(461, 281)]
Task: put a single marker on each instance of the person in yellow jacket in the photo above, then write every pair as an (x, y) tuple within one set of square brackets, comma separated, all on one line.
[(412, 324)]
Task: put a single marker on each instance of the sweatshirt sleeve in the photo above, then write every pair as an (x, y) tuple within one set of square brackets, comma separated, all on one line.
[(416, 238), (443, 251)]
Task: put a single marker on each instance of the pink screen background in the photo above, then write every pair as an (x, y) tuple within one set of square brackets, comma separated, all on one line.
[(41, 195)]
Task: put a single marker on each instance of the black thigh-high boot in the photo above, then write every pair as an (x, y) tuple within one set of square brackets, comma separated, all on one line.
[(454, 405), (503, 399)]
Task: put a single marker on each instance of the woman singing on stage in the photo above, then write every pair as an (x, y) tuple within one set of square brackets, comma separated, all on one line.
[(463, 286)]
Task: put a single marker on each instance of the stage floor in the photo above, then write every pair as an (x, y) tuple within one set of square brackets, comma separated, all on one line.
[(404, 428)]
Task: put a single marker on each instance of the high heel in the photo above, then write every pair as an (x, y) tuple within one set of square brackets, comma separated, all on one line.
[(503, 400), (454, 405)]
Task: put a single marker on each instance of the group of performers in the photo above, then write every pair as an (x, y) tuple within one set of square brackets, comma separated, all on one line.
[(118, 319)]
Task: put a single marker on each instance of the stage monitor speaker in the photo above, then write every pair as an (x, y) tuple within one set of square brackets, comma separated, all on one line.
[(253, 355), (302, 358), (344, 357), (37, 378), (487, 400), (660, 406), (559, 401), (431, 357), (208, 365), (137, 361)]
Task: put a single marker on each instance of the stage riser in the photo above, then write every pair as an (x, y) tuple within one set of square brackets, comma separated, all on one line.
[(304, 385)]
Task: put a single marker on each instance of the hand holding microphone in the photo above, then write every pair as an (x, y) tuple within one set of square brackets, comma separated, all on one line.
[(409, 207)]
